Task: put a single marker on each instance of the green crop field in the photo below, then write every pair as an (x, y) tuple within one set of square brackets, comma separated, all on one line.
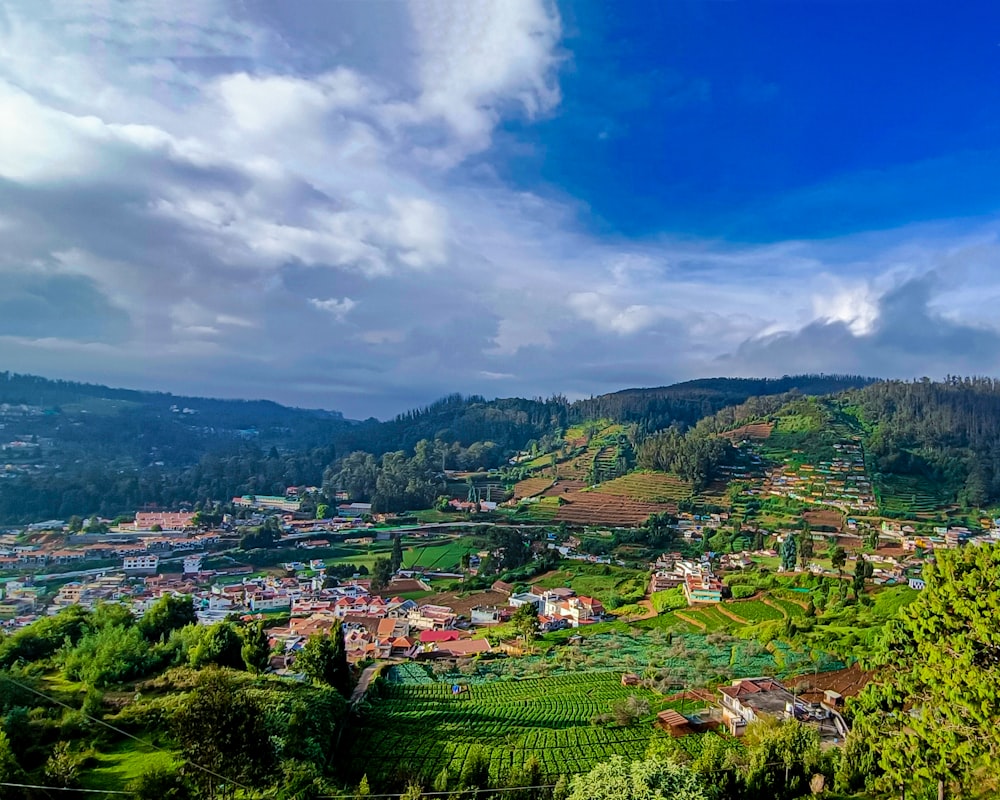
[(599, 581), (542, 705), (416, 729), (754, 611), (543, 510)]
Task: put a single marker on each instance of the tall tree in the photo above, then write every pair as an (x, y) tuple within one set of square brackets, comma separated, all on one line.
[(930, 715), (525, 621), (167, 614), (788, 550), (256, 650), (382, 573), (323, 658), (223, 729), (397, 552)]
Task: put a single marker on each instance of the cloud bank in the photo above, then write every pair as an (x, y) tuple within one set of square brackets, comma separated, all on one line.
[(307, 204)]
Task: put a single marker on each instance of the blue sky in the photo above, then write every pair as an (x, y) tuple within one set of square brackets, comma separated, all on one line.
[(364, 206), (770, 120)]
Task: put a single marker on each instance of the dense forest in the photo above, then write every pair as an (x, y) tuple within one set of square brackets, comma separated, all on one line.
[(946, 431)]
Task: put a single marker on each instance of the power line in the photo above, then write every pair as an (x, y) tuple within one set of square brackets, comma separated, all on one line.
[(62, 788), (121, 732)]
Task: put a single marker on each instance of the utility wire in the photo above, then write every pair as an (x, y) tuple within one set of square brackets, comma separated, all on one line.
[(62, 788), (121, 732)]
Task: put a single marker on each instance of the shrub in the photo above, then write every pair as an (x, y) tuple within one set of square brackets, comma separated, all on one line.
[(742, 592)]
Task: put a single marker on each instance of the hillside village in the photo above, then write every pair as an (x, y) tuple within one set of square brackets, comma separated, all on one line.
[(570, 565)]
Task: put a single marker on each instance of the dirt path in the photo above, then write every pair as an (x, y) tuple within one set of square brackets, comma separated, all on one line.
[(731, 614), (366, 678), (767, 601), (690, 620), (649, 614)]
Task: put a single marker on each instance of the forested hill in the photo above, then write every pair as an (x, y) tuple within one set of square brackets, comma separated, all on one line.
[(688, 402), (948, 432), (512, 422), (80, 448)]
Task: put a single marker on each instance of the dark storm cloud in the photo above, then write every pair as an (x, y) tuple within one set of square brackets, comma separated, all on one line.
[(909, 338), (72, 307)]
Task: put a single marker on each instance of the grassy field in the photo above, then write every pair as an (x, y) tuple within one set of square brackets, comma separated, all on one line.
[(115, 768), (597, 580), (444, 555)]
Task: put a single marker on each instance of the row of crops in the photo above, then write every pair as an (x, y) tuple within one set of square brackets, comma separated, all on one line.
[(651, 487), (907, 494), (415, 730)]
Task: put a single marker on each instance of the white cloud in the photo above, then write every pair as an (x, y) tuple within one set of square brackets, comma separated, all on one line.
[(217, 181), (856, 307), (477, 58), (338, 309)]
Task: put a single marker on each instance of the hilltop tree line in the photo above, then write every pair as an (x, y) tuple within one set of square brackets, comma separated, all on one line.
[(135, 453), (948, 432)]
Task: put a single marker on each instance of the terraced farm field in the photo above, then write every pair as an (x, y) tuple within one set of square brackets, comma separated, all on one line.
[(754, 611), (416, 729), (531, 487), (650, 487), (757, 430), (544, 510), (597, 508), (907, 494)]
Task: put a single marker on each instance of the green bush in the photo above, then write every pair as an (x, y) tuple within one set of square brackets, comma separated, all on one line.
[(741, 592)]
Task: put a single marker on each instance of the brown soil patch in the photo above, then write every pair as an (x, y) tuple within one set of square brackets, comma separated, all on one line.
[(825, 517), (531, 487), (758, 430), (693, 695), (404, 585), (562, 486), (595, 508), (464, 605)]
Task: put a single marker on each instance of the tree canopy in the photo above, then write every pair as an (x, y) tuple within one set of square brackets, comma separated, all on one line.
[(931, 714)]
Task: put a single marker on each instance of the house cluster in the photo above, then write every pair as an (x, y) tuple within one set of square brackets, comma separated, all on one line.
[(560, 608), (375, 627), (840, 482), (939, 537), (164, 520), (751, 699), (139, 550), (696, 578), (19, 604), (268, 502), (694, 527)]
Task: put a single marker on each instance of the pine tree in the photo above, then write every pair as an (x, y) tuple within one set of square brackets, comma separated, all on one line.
[(788, 551), (397, 553)]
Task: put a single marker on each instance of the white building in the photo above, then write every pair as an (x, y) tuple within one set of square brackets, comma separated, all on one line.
[(141, 565)]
